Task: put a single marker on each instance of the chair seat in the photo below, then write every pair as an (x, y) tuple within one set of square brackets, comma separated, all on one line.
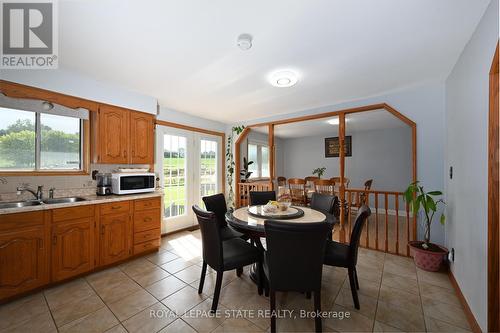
[(336, 254), (227, 232), (238, 253)]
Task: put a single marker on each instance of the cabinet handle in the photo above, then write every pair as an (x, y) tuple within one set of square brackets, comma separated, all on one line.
[(133, 152), (54, 240), (102, 229), (125, 153), (115, 207), (40, 243), (147, 219)]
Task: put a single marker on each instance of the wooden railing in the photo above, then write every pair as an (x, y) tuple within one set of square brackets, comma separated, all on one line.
[(390, 226), (244, 189)]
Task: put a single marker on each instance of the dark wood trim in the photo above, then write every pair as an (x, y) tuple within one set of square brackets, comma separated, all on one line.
[(272, 156), (493, 201), (468, 313), (342, 172), (237, 164)]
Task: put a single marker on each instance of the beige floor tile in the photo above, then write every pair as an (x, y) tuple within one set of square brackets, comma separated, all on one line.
[(238, 325), (150, 276), (38, 323), (105, 277), (178, 326), (400, 282), (350, 322), (98, 321), (68, 292), (401, 268), (450, 314), (436, 325), (76, 309), (21, 310), (235, 294), (254, 306), (400, 317), (117, 290), (151, 319), (165, 287), (366, 287), (439, 294), (399, 297), (190, 274), (381, 327), (160, 258), (367, 305), (439, 279), (177, 265), (210, 279), (136, 267), (183, 300), (368, 273), (132, 304), (202, 320), (117, 329)]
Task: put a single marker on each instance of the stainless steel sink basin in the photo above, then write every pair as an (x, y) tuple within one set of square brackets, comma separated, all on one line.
[(18, 204), (63, 200)]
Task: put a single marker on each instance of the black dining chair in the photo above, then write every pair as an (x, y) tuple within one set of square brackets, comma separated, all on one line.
[(217, 204), (289, 267), (222, 255), (325, 203), (346, 255), (261, 197)]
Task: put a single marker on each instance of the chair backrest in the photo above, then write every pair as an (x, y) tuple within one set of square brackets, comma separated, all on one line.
[(310, 181), (336, 207), (210, 236), (281, 181), (363, 213), (217, 204), (325, 186), (294, 267), (297, 188), (336, 181), (368, 184), (261, 197), (322, 202)]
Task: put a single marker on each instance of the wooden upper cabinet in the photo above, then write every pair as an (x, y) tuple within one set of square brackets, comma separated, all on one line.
[(122, 136), (141, 138), (113, 135), (23, 253), (72, 247)]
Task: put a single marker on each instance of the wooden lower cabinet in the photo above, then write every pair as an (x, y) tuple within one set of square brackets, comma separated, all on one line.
[(24, 255), (115, 238), (72, 248)]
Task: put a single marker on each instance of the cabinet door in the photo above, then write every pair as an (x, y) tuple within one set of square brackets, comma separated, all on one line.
[(113, 135), (115, 238), (141, 138), (72, 248), (23, 260)]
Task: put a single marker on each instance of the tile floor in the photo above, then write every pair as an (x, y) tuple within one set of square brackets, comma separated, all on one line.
[(157, 293)]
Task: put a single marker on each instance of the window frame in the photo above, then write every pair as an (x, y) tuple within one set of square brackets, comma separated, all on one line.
[(259, 145), (84, 154)]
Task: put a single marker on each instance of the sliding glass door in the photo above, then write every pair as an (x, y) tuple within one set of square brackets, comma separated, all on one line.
[(190, 165)]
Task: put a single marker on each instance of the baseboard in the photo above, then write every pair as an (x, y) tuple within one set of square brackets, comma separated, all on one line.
[(468, 313), (190, 228)]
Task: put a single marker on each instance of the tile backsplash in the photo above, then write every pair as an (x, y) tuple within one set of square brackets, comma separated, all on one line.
[(64, 185)]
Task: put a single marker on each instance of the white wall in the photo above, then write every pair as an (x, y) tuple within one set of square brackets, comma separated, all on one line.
[(167, 114), (467, 91), (425, 105), (383, 155)]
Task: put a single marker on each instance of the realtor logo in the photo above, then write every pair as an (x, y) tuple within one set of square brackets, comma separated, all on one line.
[(29, 34)]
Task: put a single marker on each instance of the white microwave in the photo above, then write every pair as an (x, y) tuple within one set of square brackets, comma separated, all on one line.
[(129, 183)]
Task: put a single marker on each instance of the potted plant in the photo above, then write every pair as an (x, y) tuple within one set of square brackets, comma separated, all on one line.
[(244, 172), (319, 171), (427, 256)]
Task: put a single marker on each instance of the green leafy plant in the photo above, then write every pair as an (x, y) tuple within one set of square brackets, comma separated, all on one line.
[(244, 172), (319, 171), (230, 165), (428, 202)]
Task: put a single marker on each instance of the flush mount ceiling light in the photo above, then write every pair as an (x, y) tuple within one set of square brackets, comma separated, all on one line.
[(283, 79), (244, 42), (334, 121)]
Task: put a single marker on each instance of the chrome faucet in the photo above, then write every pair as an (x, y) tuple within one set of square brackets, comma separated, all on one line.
[(51, 192), (38, 194)]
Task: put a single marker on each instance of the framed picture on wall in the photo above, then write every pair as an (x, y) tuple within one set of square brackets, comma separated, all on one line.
[(332, 147)]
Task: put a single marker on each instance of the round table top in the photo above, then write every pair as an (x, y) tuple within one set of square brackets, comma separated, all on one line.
[(243, 221)]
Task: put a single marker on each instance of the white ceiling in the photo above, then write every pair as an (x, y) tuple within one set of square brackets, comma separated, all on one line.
[(357, 122), (184, 52)]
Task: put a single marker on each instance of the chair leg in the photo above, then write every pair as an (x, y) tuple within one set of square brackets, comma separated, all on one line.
[(202, 278), (308, 294), (354, 291), (239, 271), (356, 278), (218, 285), (317, 309), (261, 278), (272, 301)]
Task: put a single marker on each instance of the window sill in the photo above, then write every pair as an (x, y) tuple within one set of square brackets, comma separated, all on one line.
[(14, 173)]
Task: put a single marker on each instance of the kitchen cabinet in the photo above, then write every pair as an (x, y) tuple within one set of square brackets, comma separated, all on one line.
[(122, 136), (72, 242), (147, 224), (24, 262), (115, 233)]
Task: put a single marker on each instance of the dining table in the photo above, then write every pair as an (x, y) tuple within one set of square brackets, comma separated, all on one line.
[(249, 220)]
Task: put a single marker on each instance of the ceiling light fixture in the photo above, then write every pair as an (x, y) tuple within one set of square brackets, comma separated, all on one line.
[(283, 79), (334, 121), (244, 42)]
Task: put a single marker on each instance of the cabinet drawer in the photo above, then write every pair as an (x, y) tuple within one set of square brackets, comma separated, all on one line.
[(146, 220), (21, 220), (115, 207), (153, 244), (72, 213), (145, 236), (144, 204)]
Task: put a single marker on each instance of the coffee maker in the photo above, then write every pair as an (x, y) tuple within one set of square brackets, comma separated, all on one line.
[(103, 184)]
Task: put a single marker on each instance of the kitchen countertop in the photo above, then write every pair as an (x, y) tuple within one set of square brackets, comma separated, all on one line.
[(90, 200)]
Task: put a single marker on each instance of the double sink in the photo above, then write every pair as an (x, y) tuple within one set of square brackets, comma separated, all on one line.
[(20, 204)]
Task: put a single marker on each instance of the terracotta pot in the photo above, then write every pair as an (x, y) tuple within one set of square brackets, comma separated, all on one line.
[(427, 260)]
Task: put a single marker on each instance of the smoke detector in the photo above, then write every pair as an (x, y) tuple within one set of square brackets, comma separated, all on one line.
[(244, 42)]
